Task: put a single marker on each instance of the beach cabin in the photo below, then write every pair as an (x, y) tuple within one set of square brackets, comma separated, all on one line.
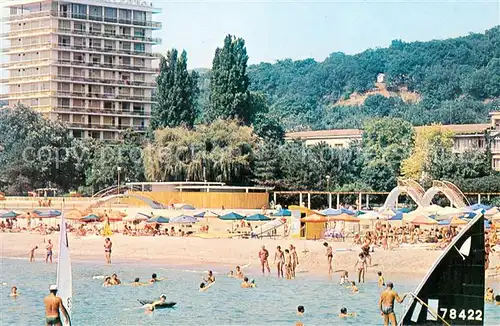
[(314, 230)]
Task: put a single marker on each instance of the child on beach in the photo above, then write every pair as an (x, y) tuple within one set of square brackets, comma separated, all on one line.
[(32, 254), (381, 281), (488, 297), (354, 287)]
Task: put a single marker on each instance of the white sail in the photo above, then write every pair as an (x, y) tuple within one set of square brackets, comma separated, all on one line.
[(64, 277)]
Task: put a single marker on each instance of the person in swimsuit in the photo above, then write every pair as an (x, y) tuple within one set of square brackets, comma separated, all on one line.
[(49, 252), (386, 304), (32, 254), (344, 313), (280, 257), (329, 256), (239, 273), (204, 287), (344, 277), (263, 256), (14, 293), (497, 300), (288, 264), (107, 250), (488, 297), (162, 300), (53, 304), (381, 281), (361, 264), (210, 278), (353, 287), (300, 310), (246, 284), (107, 282), (295, 259)]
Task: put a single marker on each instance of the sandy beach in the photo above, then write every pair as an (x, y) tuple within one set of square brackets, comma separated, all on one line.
[(226, 253)]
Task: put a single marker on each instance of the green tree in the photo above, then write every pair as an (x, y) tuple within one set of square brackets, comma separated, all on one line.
[(176, 93), (229, 94)]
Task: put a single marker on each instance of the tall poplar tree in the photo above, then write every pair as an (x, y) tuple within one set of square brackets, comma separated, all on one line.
[(177, 90), (229, 95)]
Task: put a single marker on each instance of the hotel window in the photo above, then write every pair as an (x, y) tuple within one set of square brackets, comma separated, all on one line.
[(125, 16), (139, 16), (78, 11), (139, 47), (139, 32), (95, 13), (110, 14)]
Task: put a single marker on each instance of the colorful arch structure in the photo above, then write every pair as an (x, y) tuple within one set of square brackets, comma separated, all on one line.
[(405, 186), (152, 203), (424, 198), (454, 195)]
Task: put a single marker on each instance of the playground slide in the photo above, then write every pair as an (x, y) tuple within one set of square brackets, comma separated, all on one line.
[(268, 227)]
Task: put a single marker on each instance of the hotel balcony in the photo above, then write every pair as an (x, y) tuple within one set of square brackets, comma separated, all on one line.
[(104, 127), (112, 66), (99, 111), (105, 35), (104, 81), (85, 17), (103, 50), (105, 97)]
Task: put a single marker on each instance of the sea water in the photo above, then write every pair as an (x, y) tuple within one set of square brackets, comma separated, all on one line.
[(273, 302)]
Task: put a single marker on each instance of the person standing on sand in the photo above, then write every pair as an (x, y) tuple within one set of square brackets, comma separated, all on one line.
[(295, 259), (32, 254), (49, 248), (280, 257), (288, 264), (329, 256), (107, 250), (361, 264), (53, 304), (263, 256), (386, 304)]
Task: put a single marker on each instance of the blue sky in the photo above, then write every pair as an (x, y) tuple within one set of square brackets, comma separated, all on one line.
[(303, 29)]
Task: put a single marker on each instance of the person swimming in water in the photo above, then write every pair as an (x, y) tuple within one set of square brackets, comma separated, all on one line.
[(204, 287), (114, 280), (154, 278), (344, 313), (153, 305), (230, 274), (300, 310), (210, 278), (246, 284), (354, 287), (13, 292), (386, 304), (239, 273), (107, 282), (137, 282), (381, 281), (497, 300), (344, 278)]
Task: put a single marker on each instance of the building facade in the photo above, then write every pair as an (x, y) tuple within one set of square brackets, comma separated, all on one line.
[(88, 63), (465, 137)]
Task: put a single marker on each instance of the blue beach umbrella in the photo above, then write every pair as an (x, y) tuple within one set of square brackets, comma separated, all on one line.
[(158, 219), (200, 214), (8, 214), (231, 217), (184, 219), (256, 218), (91, 218), (335, 212), (283, 212), (397, 217), (50, 213)]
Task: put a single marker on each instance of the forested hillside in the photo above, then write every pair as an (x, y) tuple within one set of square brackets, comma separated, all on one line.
[(458, 81)]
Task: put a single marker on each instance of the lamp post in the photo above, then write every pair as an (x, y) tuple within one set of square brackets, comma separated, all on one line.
[(327, 183), (118, 169)]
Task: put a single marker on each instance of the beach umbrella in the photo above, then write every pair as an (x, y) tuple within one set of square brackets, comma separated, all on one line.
[(432, 209), (257, 217), (232, 216), (333, 212), (344, 217), (91, 218), (74, 214), (137, 218), (397, 217), (47, 214), (184, 219), (476, 207), (315, 218), (183, 206), (496, 217), (200, 214), (158, 219), (372, 215), (8, 214), (283, 212), (423, 220), (492, 211)]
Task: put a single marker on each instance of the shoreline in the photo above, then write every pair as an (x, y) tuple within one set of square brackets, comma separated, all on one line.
[(223, 255)]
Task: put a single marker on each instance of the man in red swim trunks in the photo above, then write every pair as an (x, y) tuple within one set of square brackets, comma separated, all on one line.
[(263, 255)]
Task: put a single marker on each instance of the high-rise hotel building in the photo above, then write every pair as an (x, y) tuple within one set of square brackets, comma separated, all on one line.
[(88, 63)]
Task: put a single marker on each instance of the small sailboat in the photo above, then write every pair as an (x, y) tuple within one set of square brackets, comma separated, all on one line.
[(452, 292), (64, 275)]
